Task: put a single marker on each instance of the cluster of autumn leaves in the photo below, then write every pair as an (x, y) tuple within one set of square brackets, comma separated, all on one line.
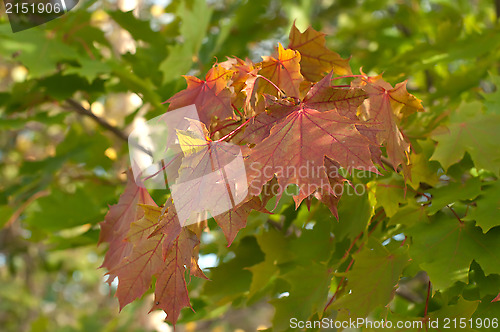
[(286, 113)]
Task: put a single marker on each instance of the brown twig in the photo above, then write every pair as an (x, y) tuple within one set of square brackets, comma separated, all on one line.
[(23, 207), (78, 108)]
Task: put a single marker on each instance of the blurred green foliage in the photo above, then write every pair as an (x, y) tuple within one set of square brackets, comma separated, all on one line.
[(60, 169)]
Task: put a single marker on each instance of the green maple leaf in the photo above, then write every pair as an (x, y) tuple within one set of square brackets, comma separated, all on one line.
[(387, 193), (453, 192), (436, 320), (462, 309), (307, 294), (423, 170), (275, 247), (487, 210), (372, 280), (471, 131), (446, 247), (409, 215), (355, 212)]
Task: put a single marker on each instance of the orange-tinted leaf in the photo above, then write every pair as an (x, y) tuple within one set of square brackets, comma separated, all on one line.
[(385, 107), (316, 58), (243, 81), (211, 97), (283, 71), (244, 70)]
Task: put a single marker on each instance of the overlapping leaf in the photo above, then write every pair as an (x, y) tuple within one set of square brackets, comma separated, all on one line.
[(117, 223), (446, 247), (211, 96), (325, 132), (473, 131), (283, 71), (385, 107), (365, 294), (171, 292), (316, 59), (136, 270), (486, 213)]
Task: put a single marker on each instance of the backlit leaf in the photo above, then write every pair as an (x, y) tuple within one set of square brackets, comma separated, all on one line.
[(283, 71), (211, 96), (316, 59)]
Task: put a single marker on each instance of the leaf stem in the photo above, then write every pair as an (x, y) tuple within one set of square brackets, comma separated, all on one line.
[(456, 215), (381, 212), (235, 131), (427, 299), (270, 82), (237, 110), (341, 282), (347, 76)]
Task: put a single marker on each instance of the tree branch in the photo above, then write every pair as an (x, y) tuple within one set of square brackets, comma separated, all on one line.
[(102, 122), (78, 108)]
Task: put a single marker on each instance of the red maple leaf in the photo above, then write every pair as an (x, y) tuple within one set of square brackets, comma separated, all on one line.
[(331, 199), (211, 97), (322, 97), (235, 219), (117, 223), (171, 292), (385, 107), (136, 270), (300, 141)]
